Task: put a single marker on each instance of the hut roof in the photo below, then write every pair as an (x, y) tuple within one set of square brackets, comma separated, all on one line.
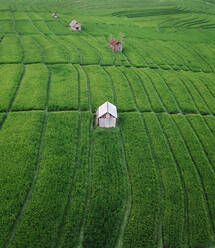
[(114, 42), (107, 107), (74, 23)]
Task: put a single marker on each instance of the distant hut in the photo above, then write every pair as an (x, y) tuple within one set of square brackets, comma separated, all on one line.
[(54, 15), (74, 25), (106, 115), (115, 45)]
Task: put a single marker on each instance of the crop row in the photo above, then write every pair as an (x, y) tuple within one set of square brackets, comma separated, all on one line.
[(33, 89), (142, 227), (6, 27), (185, 152), (10, 50), (180, 161), (63, 87), (10, 77), (88, 50), (19, 145), (42, 217), (108, 190), (172, 220), (75, 86), (75, 214), (188, 92)]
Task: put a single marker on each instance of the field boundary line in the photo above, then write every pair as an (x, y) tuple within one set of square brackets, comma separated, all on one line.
[(88, 87), (129, 201), (103, 65), (17, 35), (122, 111), (207, 208), (2, 38), (79, 88), (36, 172), (9, 110), (22, 74)]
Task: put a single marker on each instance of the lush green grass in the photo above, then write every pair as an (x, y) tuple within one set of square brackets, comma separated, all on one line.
[(71, 226), (100, 86), (154, 98), (17, 170), (32, 92), (63, 87), (172, 214), (124, 98), (84, 96), (10, 78), (48, 201), (2, 117), (10, 49), (25, 27), (53, 52), (137, 86), (142, 227), (191, 180), (6, 26), (33, 52), (107, 190), (147, 183), (205, 174)]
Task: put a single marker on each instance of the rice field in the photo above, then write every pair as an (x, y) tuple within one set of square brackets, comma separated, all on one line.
[(149, 182)]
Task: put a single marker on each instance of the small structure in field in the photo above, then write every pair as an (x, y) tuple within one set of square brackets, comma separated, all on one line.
[(116, 45), (54, 15), (74, 25), (106, 115)]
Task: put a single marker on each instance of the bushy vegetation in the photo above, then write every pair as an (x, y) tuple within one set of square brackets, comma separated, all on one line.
[(148, 183)]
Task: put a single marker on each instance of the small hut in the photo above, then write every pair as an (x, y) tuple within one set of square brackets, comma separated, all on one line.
[(115, 45), (54, 15), (74, 25), (106, 115)]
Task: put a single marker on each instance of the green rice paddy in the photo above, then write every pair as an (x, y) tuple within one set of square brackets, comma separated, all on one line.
[(149, 182)]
